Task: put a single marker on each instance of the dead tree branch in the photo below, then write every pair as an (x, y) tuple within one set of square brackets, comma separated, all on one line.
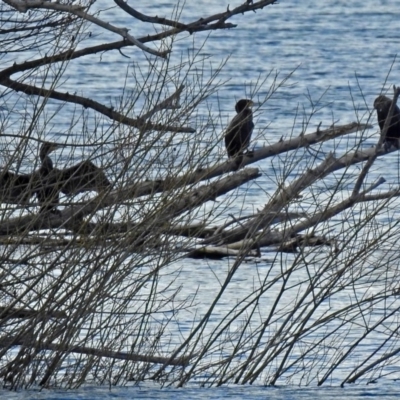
[(24, 6), (117, 355), (94, 105)]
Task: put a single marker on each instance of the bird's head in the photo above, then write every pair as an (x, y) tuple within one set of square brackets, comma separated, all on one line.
[(46, 148), (243, 104), (382, 103)]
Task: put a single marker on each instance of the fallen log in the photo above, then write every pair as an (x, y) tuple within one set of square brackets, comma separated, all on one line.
[(290, 192), (71, 217), (6, 312), (217, 253), (118, 355)]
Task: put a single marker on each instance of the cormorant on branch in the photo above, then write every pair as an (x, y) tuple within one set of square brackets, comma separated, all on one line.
[(382, 105), (238, 134), (47, 194), (82, 177), (48, 182), (15, 188), (19, 188)]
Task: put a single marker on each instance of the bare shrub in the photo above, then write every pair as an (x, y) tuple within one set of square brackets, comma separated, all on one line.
[(94, 292)]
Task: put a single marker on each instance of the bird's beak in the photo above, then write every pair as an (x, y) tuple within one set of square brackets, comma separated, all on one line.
[(56, 146), (251, 103)]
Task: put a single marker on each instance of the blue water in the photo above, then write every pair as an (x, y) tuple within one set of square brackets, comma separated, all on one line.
[(339, 54), (388, 392)]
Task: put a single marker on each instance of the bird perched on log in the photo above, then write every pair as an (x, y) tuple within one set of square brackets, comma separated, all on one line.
[(15, 188), (238, 134), (19, 188), (47, 182), (382, 105), (82, 177), (48, 193)]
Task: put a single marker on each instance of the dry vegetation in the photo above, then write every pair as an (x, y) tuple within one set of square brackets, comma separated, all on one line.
[(93, 293)]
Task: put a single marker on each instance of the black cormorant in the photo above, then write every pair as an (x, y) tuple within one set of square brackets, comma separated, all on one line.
[(382, 105), (48, 192), (15, 188), (47, 182), (19, 188), (82, 177), (238, 134)]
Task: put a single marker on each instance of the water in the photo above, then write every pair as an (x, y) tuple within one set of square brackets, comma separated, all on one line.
[(341, 53), (234, 393)]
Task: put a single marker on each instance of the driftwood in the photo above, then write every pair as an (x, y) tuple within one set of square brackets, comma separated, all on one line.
[(151, 187), (225, 242), (118, 355), (291, 192), (299, 241), (216, 253), (70, 218), (22, 313)]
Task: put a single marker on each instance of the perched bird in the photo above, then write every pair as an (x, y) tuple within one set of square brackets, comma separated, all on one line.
[(238, 134), (382, 105), (19, 188), (48, 192), (82, 177), (15, 188), (47, 182)]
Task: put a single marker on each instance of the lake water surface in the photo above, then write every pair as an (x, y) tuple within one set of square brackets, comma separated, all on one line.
[(389, 392)]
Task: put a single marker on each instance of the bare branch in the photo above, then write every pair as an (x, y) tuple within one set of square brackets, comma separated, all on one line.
[(118, 355), (170, 103), (23, 6), (88, 103), (144, 18)]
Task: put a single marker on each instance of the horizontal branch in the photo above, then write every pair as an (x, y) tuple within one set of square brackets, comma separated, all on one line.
[(144, 18), (94, 105), (212, 22), (192, 199), (6, 312), (217, 253), (163, 219), (71, 217), (304, 140), (279, 236), (118, 355), (23, 6)]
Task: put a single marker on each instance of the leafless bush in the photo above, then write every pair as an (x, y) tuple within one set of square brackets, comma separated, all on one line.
[(94, 291)]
